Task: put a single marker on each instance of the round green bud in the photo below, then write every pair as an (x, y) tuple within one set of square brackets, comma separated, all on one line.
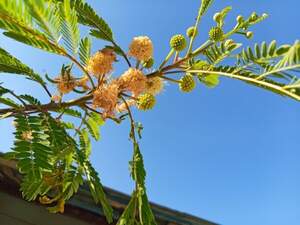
[(216, 34), (178, 42), (190, 32), (187, 83), (148, 64), (249, 34), (253, 16), (239, 19), (217, 17), (146, 101)]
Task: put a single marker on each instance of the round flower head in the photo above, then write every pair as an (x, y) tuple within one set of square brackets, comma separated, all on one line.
[(187, 83), (27, 135), (148, 64), (178, 42), (146, 101), (133, 80), (216, 34), (101, 62), (239, 19), (253, 17), (141, 48), (190, 32), (249, 34), (106, 97), (154, 85), (65, 83)]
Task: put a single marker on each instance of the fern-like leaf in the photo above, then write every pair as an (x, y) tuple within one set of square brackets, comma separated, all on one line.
[(47, 17), (70, 30), (205, 4), (10, 64), (85, 50)]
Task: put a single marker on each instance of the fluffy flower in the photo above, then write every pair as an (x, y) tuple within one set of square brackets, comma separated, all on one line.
[(101, 62), (141, 48), (154, 85), (106, 97), (133, 80), (122, 107), (27, 135), (65, 84), (56, 98)]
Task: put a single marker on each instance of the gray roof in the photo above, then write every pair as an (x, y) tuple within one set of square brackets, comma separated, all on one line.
[(83, 201)]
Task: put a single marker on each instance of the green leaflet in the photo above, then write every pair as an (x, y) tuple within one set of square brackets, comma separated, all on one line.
[(36, 41), (87, 16), (10, 64), (69, 28), (217, 53), (30, 99), (97, 191), (127, 217), (139, 200), (47, 17), (19, 25), (85, 50), (9, 102), (205, 4), (275, 61), (93, 122), (210, 80), (14, 15)]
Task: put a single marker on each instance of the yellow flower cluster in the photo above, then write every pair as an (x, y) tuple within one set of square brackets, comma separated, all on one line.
[(106, 97), (141, 48), (133, 80), (101, 62)]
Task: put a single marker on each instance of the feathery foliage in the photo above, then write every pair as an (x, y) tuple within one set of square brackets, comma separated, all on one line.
[(52, 153)]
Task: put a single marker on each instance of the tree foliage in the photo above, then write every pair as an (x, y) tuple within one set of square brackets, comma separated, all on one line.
[(53, 153)]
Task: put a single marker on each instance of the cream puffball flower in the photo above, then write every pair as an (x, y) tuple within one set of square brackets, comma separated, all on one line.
[(141, 48), (101, 62), (133, 80), (154, 85)]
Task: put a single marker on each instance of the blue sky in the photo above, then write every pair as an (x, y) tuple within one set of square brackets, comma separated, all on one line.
[(229, 154)]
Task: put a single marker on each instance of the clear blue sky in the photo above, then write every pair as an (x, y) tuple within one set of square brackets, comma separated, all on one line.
[(230, 154)]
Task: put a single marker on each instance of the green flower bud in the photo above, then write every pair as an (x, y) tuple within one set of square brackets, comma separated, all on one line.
[(216, 34), (253, 17), (239, 19), (217, 17), (249, 35), (146, 101), (190, 32), (178, 42), (187, 83), (148, 64)]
